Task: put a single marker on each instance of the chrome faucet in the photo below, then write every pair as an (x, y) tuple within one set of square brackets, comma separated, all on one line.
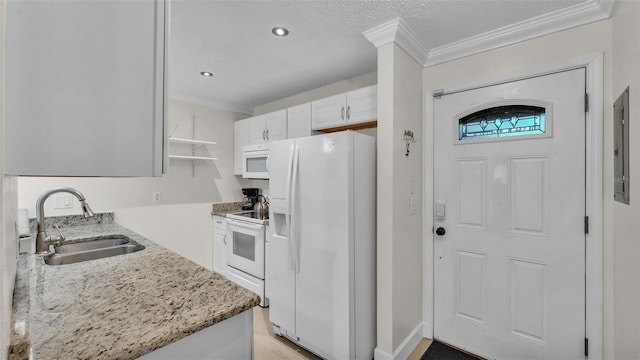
[(42, 239)]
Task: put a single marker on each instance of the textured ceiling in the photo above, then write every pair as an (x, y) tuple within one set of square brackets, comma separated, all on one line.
[(251, 67)]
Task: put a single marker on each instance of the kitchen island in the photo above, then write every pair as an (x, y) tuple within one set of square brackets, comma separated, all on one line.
[(122, 307)]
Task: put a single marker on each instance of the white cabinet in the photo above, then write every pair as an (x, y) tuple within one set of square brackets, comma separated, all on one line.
[(257, 129), (299, 121), (219, 245), (350, 108), (85, 85), (268, 127), (362, 105), (328, 112), (229, 339), (276, 125), (240, 139)]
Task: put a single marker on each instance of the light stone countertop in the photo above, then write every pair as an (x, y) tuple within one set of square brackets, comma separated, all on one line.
[(222, 209), (120, 307)]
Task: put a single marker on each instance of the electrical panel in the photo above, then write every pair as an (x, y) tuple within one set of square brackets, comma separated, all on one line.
[(621, 148)]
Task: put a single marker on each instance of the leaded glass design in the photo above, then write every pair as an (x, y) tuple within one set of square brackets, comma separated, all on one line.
[(500, 121)]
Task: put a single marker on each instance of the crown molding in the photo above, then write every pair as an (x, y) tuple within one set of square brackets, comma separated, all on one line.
[(563, 19), (214, 104), (399, 32)]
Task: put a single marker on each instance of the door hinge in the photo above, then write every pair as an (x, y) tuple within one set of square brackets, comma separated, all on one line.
[(586, 224), (586, 347), (586, 102)]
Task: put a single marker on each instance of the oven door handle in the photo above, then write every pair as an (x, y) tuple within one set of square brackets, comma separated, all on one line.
[(245, 225)]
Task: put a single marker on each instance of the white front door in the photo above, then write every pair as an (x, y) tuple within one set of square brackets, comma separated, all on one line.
[(509, 190)]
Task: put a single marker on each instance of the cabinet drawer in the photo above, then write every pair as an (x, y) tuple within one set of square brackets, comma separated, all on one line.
[(219, 223)]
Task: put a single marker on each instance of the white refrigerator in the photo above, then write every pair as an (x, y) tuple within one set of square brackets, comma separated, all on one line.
[(321, 258)]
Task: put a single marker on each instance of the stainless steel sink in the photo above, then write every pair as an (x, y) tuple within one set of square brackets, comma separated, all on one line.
[(92, 249), (92, 244)]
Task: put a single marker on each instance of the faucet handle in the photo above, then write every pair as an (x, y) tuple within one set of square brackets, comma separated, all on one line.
[(58, 239)]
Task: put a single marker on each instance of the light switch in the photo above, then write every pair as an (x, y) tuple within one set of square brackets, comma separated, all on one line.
[(440, 210)]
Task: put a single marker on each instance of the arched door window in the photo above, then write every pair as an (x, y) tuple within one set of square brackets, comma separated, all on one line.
[(504, 121)]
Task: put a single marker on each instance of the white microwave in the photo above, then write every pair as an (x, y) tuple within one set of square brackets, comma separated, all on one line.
[(255, 160)]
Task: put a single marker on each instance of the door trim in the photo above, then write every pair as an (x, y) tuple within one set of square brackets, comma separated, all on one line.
[(593, 63)]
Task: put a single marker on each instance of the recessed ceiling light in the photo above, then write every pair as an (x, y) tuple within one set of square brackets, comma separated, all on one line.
[(206, 74), (280, 31)]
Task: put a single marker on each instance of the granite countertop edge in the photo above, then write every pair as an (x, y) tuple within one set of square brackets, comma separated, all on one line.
[(118, 307), (222, 209)]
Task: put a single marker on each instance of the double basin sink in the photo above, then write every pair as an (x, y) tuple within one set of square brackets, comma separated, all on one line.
[(91, 249)]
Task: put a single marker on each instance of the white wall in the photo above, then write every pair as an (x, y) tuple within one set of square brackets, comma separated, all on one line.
[(185, 229), (626, 218), (399, 234), (528, 56), (8, 247), (207, 181)]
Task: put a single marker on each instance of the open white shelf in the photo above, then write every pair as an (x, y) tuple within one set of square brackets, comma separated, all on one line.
[(189, 157), (191, 142)]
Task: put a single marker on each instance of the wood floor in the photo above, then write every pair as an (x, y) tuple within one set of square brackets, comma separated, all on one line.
[(269, 346)]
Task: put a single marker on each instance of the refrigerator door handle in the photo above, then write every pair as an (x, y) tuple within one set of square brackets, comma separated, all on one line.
[(287, 216), (294, 211)]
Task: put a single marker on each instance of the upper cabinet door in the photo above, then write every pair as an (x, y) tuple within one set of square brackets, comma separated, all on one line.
[(299, 121), (258, 130), (85, 88), (329, 112), (276, 125), (268, 127), (362, 105)]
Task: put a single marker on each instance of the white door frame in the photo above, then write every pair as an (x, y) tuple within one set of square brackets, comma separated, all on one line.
[(594, 153)]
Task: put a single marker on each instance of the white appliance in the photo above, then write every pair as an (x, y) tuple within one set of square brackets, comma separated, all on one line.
[(245, 252), (321, 254), (255, 159)]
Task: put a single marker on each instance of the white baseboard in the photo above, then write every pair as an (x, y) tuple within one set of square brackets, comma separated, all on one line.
[(404, 350)]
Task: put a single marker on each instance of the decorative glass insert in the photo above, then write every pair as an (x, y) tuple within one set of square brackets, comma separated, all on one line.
[(500, 121)]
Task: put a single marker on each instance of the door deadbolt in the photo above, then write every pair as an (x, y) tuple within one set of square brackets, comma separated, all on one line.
[(440, 231)]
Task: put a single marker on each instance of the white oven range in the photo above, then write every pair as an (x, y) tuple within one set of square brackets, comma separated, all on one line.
[(245, 252)]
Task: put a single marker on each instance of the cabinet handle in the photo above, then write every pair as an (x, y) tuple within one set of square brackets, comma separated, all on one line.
[(348, 112), (263, 134), (224, 239), (342, 113), (267, 134)]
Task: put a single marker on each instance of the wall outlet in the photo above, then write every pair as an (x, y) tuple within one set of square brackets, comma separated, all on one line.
[(63, 202), (156, 197)]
